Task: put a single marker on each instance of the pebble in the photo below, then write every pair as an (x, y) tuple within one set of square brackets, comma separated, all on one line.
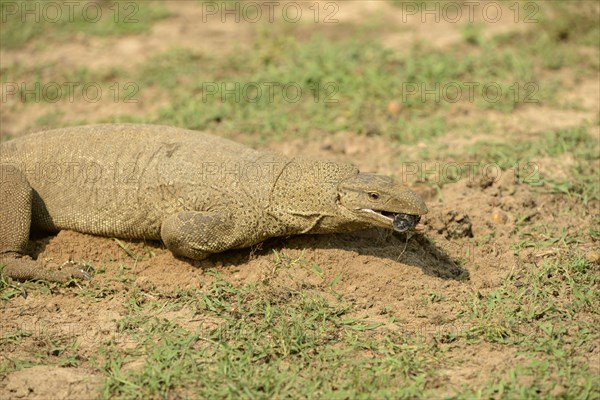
[(499, 217), (393, 107), (459, 217), (593, 257)]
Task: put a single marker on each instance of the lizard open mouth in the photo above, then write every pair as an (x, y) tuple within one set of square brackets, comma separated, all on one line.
[(400, 222)]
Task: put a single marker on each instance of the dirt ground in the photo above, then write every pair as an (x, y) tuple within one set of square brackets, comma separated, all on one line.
[(379, 269)]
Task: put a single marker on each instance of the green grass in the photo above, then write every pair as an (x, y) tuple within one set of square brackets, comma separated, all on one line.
[(269, 343), (300, 340), (554, 40), (576, 147), (266, 341), (333, 85), (343, 86), (546, 312)]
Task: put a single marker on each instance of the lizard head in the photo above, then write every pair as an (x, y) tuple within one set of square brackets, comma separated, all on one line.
[(380, 201)]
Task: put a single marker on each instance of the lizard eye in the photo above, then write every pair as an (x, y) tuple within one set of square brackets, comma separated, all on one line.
[(373, 196)]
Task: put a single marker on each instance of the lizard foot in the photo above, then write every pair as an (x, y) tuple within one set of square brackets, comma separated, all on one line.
[(23, 268)]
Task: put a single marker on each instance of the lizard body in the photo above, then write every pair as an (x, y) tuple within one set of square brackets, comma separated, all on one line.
[(198, 193)]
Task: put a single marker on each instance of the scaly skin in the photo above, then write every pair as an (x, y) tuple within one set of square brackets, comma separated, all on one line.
[(198, 193)]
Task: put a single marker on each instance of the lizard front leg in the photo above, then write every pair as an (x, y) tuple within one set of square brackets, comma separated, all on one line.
[(198, 234), (15, 222)]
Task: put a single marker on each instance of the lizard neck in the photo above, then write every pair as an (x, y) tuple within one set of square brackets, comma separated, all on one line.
[(304, 197)]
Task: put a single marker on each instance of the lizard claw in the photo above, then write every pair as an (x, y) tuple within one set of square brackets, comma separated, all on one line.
[(78, 271)]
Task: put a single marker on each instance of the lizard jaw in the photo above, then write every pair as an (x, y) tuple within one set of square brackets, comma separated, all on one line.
[(389, 216)]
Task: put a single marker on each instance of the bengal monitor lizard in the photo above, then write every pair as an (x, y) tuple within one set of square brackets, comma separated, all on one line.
[(198, 193)]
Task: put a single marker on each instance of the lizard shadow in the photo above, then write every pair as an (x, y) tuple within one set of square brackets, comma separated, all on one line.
[(416, 250), (392, 248)]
